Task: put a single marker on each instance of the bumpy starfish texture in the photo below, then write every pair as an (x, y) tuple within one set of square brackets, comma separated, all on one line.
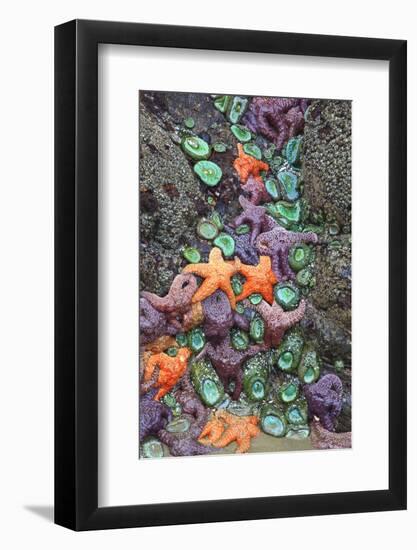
[(219, 317), (247, 165), (154, 415), (277, 321), (253, 215), (324, 439), (276, 243), (256, 190), (152, 322), (212, 431), (259, 279), (171, 369), (191, 404), (178, 300), (228, 362), (244, 249), (324, 400), (183, 443), (193, 317), (225, 428), (217, 274), (276, 118)]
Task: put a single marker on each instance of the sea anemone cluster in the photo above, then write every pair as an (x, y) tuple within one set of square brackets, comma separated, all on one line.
[(223, 356)]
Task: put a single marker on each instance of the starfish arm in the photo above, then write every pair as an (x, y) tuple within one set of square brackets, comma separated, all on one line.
[(243, 444), (225, 439), (206, 288), (203, 270), (290, 318), (160, 304), (228, 290)]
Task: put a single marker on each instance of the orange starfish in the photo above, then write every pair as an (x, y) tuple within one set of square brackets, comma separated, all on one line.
[(259, 279), (216, 274), (212, 431), (235, 428), (170, 369), (246, 165)]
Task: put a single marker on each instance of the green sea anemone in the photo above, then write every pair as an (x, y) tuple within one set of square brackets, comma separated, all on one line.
[(271, 186), (287, 295), (195, 147), (226, 244), (309, 367), (196, 340), (257, 329), (289, 185), (255, 298), (236, 109), (273, 421), (289, 351), (297, 413), (220, 147), (222, 103), (305, 278), (192, 255), (216, 219), (207, 383), (178, 425), (151, 447), (253, 150), (207, 229), (189, 122), (298, 432), (241, 133), (299, 256), (255, 377), (288, 392), (293, 150), (172, 351), (181, 339), (239, 339), (237, 285), (209, 172)]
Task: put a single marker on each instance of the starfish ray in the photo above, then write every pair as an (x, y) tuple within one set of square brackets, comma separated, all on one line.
[(259, 279), (217, 274), (225, 428), (171, 369), (253, 215), (277, 320), (246, 165)]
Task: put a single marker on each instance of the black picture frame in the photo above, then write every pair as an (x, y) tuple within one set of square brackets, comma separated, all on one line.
[(76, 271)]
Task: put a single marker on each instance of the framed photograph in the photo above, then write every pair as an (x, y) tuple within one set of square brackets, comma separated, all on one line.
[(230, 247)]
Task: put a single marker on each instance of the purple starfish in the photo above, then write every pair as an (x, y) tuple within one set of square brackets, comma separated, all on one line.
[(154, 415), (277, 321), (244, 250), (219, 317), (152, 323), (253, 215), (324, 400), (228, 362), (276, 243), (255, 188), (276, 118)]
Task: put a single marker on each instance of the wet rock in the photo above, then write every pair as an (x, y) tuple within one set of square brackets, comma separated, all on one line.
[(170, 203), (327, 159)]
